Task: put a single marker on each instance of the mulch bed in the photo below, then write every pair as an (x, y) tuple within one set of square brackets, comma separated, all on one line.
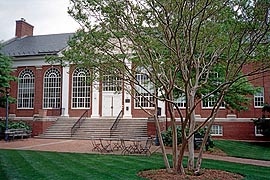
[(207, 174)]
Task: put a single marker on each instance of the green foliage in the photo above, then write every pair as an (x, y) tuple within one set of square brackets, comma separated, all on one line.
[(167, 136), (5, 70), (5, 78), (15, 125), (238, 95)]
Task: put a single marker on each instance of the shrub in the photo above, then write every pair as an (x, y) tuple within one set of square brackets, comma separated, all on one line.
[(14, 125), (167, 136)]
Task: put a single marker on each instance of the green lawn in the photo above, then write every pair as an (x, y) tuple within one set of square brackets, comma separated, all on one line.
[(251, 150), (38, 165)]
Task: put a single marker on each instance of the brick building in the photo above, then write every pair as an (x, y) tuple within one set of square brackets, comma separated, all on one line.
[(52, 91)]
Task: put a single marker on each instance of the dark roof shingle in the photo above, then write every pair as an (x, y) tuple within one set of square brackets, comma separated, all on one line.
[(36, 45)]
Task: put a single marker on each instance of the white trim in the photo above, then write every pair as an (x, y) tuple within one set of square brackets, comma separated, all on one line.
[(219, 129), (65, 91), (29, 61), (26, 86), (81, 98), (259, 95), (52, 90), (95, 100)]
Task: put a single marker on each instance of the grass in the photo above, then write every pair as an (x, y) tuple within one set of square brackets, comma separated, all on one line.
[(250, 150), (38, 165)]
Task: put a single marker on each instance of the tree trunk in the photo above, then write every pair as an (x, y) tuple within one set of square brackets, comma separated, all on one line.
[(205, 138), (190, 165), (180, 166), (174, 133), (192, 122), (174, 142), (165, 158)]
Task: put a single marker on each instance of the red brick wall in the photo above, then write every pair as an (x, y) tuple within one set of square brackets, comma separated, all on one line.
[(39, 74), (151, 127), (40, 126), (231, 130)]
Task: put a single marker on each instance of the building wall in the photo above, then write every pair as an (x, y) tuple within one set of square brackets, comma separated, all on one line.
[(232, 129), (38, 96)]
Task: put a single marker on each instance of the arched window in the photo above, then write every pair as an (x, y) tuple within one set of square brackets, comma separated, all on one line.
[(26, 89), (52, 88), (81, 88)]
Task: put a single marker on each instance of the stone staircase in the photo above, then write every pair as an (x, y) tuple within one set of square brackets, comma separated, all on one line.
[(97, 128), (60, 129)]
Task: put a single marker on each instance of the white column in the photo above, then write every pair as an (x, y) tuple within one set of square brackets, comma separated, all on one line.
[(65, 91), (95, 100), (127, 105), (161, 104), (127, 97)]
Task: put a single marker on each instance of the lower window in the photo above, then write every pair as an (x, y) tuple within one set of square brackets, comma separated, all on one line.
[(217, 130)]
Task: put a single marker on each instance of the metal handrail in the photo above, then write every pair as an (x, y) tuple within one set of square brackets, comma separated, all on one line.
[(78, 123), (114, 125)]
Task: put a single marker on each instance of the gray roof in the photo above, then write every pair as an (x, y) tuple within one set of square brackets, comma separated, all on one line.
[(36, 45)]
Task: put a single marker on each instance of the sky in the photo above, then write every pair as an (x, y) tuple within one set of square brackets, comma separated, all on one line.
[(47, 17)]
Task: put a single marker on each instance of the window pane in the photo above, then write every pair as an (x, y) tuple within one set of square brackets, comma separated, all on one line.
[(26, 89), (52, 88), (81, 88), (217, 130), (111, 83), (143, 96), (259, 98)]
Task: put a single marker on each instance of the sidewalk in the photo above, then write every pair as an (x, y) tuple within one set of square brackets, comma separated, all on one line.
[(85, 146)]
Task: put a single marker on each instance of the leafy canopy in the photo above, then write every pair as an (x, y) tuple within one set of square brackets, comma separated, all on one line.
[(5, 77)]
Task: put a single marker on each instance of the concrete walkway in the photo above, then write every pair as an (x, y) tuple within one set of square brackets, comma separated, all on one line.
[(85, 146)]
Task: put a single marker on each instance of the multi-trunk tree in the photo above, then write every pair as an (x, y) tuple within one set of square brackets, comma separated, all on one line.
[(193, 49)]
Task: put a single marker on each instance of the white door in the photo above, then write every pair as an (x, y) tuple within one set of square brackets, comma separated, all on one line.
[(111, 104)]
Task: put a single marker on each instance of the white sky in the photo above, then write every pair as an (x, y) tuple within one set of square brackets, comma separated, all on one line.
[(47, 17)]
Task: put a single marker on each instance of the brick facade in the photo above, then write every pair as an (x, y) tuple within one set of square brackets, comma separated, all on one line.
[(231, 129)]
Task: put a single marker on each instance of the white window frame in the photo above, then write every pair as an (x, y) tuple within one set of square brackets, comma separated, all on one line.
[(111, 83), (81, 89), (259, 99), (26, 89), (210, 102), (52, 89), (217, 130), (181, 101), (142, 96)]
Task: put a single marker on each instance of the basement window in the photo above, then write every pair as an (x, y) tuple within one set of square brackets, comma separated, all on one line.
[(217, 130)]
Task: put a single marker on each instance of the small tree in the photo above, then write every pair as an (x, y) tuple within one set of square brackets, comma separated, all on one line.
[(5, 78)]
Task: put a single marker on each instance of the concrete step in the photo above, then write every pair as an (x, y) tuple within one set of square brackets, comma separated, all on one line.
[(98, 128)]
